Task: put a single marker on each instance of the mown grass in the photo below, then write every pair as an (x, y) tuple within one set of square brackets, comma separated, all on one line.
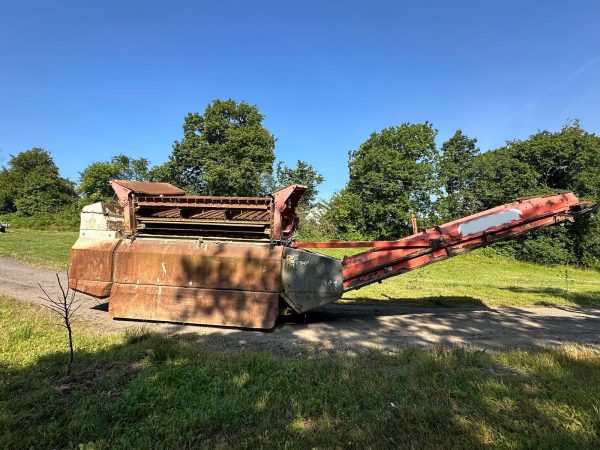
[(137, 390), (483, 278), (47, 248)]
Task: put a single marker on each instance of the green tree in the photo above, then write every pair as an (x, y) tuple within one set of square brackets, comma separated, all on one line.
[(94, 180), (31, 184), (346, 213), (454, 168), (304, 174), (546, 162), (225, 151), (8, 191), (499, 176), (587, 240), (563, 160), (391, 177)]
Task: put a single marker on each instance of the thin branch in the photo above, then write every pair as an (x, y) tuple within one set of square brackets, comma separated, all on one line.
[(46, 299), (73, 312), (54, 309), (65, 306), (60, 286), (45, 293)]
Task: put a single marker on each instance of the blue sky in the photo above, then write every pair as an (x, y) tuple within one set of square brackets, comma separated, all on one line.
[(88, 80)]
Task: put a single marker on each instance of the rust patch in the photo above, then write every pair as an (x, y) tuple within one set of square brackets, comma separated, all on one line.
[(192, 264), (194, 306), (91, 266), (149, 188)]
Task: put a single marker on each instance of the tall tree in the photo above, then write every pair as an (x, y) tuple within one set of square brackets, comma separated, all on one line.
[(8, 191), (546, 162), (347, 215), (391, 177), (225, 151), (499, 176), (93, 181), (564, 160), (455, 165), (303, 173), (31, 184)]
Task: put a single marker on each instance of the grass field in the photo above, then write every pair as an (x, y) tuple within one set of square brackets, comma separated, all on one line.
[(136, 390), (472, 279), (481, 278), (44, 248)]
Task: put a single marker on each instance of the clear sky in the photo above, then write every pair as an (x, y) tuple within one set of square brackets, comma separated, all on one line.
[(87, 80)]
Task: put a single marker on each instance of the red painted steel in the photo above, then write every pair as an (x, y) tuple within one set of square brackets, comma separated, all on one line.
[(389, 258), (285, 220), (163, 209), (336, 244), (344, 244)]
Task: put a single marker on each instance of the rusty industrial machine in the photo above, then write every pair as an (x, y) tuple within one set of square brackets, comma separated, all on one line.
[(161, 255)]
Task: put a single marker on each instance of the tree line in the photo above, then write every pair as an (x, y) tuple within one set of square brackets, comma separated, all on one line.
[(397, 172)]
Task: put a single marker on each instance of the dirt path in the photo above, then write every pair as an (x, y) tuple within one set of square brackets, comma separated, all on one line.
[(349, 327)]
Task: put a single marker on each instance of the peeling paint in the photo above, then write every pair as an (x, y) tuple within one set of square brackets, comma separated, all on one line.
[(490, 221)]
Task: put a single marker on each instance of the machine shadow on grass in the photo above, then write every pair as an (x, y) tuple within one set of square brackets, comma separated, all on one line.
[(156, 392), (360, 308), (447, 301), (488, 329)]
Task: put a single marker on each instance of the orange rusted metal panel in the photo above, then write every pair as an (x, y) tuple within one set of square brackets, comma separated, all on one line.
[(92, 265), (195, 264), (99, 289), (193, 305), (147, 187)]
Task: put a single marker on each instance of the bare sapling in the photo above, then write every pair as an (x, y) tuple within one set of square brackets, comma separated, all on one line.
[(65, 305)]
